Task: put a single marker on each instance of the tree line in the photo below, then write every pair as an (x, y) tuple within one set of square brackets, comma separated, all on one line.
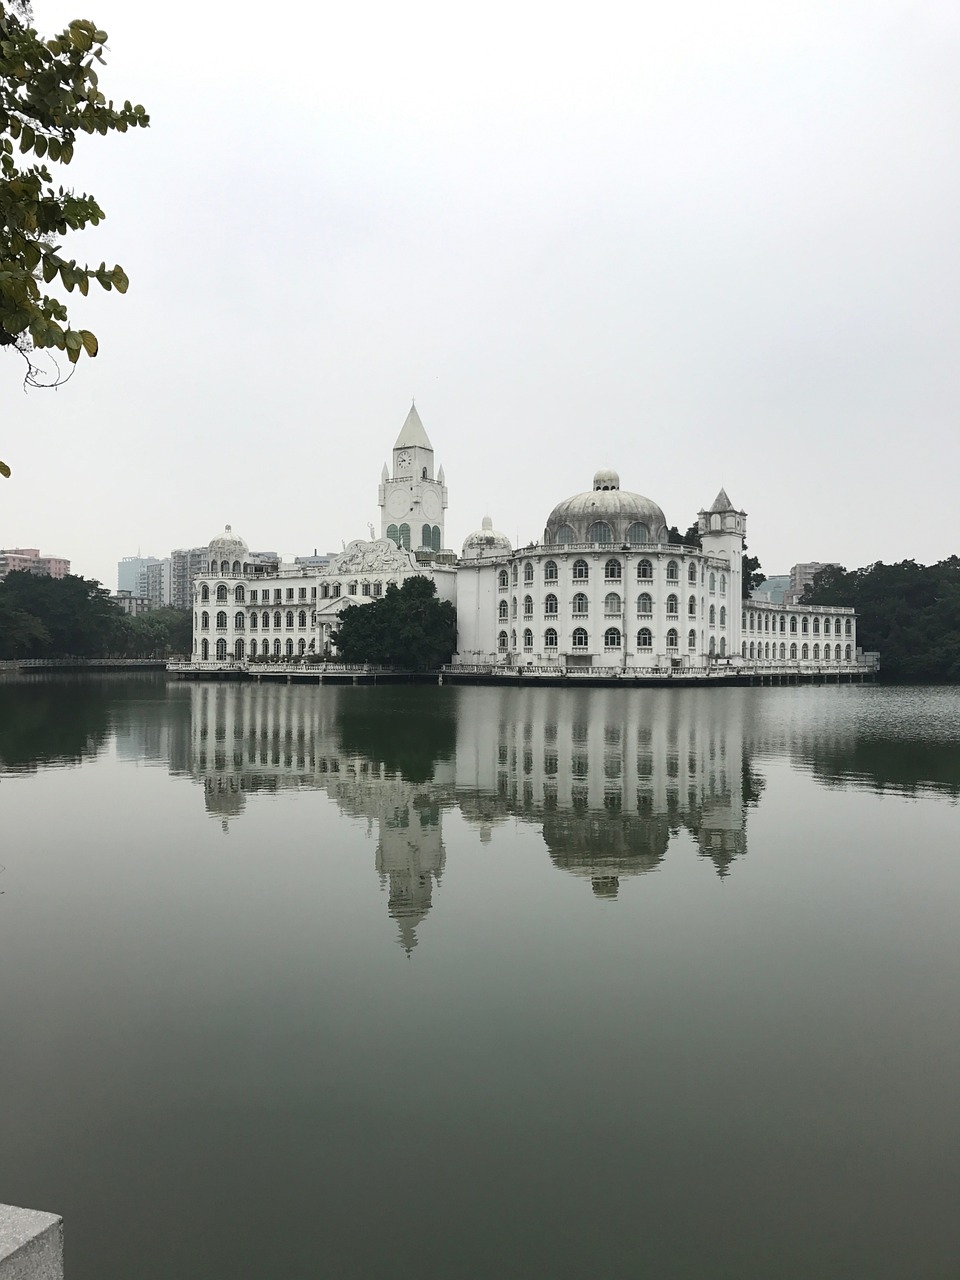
[(74, 617), (908, 612)]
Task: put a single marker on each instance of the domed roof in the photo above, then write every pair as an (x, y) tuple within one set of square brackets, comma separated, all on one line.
[(606, 514), (485, 542), (228, 543)]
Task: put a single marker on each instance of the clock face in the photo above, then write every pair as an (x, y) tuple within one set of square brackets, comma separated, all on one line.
[(431, 505), (398, 504), (404, 459)]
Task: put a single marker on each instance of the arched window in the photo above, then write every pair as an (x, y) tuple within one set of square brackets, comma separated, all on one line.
[(277, 648), (673, 606), (277, 620), (826, 626), (783, 652), (600, 532), (550, 638), (238, 594), (265, 620), (692, 639), (766, 650), (426, 537), (644, 604), (527, 571), (581, 570), (753, 621), (723, 646), (673, 638), (793, 652), (502, 641), (253, 648), (692, 572), (644, 570), (301, 647), (527, 638), (805, 652), (673, 571), (513, 607), (516, 574), (805, 626), (612, 571), (713, 645), (550, 571), (611, 638), (565, 534), (393, 533), (289, 617), (221, 592), (580, 640), (503, 580), (550, 604), (204, 592), (503, 610), (848, 628), (713, 582), (213, 566), (783, 623), (238, 649), (766, 622), (816, 626), (403, 535), (236, 566), (692, 607), (222, 620), (816, 653), (644, 638), (221, 649), (638, 534), (288, 648), (205, 650), (713, 616), (793, 624), (513, 639), (753, 649), (743, 649), (848, 653), (238, 621), (204, 621), (528, 606), (224, 567), (723, 584), (302, 618), (723, 615), (611, 604), (435, 537), (580, 603)]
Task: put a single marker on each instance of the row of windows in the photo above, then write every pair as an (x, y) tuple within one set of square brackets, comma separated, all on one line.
[(602, 533), (223, 566), (612, 639), (263, 650), (764, 651), (239, 620), (429, 536), (612, 605), (612, 572), (762, 622), (327, 590)]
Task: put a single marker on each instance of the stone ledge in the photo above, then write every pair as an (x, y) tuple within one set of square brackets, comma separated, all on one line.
[(31, 1244)]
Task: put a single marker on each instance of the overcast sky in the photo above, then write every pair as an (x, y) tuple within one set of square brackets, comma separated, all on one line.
[(700, 243)]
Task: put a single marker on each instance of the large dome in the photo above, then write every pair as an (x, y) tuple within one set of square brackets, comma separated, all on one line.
[(228, 545), (607, 515), (485, 542)]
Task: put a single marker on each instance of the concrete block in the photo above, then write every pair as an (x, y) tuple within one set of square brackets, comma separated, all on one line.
[(31, 1244)]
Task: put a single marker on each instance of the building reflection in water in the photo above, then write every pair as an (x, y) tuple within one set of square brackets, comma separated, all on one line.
[(610, 778)]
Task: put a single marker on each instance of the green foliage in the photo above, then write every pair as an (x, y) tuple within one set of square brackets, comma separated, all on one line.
[(74, 617), (751, 574), (407, 628), (909, 612), (49, 93)]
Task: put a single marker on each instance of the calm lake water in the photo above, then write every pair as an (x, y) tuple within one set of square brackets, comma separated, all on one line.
[(301, 982)]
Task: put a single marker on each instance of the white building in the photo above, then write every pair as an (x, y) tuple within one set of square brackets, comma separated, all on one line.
[(605, 589)]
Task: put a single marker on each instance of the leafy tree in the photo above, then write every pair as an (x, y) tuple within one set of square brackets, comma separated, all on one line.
[(73, 616), (158, 634), (408, 627), (909, 612), (21, 633), (751, 575), (49, 93)]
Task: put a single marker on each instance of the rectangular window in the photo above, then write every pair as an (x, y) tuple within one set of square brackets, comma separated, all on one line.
[(253, 597), (289, 593), (303, 593), (366, 589)]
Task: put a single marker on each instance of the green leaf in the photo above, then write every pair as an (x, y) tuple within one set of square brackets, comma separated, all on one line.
[(4, 470), (90, 344)]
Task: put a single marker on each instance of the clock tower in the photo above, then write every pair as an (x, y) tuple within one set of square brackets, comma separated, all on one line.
[(413, 500)]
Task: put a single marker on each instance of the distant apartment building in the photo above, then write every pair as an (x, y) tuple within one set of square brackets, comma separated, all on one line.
[(802, 576), (131, 571), (155, 583), (772, 589), (29, 560), (131, 604), (185, 564)]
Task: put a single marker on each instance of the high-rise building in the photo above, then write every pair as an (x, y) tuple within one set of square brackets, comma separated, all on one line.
[(802, 576), (185, 564), (129, 573), (29, 559)]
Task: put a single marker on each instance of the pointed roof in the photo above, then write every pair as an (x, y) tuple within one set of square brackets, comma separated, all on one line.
[(722, 503), (412, 432)]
